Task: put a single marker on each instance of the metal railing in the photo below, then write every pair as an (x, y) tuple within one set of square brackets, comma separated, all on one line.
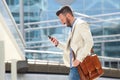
[(50, 57), (97, 39), (106, 38), (10, 22)]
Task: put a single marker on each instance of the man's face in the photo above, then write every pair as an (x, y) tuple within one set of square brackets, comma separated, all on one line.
[(65, 20)]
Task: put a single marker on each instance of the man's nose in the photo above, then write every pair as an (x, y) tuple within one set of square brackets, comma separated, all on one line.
[(63, 22)]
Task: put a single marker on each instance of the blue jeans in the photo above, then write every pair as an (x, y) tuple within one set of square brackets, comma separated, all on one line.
[(74, 75)]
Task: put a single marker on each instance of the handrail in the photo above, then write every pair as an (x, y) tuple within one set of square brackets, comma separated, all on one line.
[(97, 39), (38, 51), (13, 21), (106, 38), (53, 52), (40, 22), (59, 61)]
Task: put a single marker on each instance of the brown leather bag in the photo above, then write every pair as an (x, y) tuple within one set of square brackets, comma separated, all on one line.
[(90, 68)]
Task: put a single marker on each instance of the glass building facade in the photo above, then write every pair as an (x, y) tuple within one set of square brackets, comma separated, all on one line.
[(40, 21)]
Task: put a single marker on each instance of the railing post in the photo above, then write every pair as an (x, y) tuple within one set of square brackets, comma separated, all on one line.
[(2, 61), (22, 18), (14, 69), (102, 53)]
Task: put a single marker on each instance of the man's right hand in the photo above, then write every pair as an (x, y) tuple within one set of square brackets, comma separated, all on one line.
[(54, 41)]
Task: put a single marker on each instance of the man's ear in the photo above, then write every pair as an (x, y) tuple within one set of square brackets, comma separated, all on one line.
[(68, 15)]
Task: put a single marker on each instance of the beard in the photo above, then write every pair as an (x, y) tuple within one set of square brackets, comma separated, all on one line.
[(68, 22)]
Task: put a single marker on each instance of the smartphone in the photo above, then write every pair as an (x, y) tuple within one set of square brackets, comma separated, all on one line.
[(49, 37)]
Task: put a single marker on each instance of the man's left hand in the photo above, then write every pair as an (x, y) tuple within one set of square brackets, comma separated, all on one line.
[(76, 63)]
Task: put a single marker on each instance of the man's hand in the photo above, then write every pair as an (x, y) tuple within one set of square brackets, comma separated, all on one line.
[(54, 41), (76, 63)]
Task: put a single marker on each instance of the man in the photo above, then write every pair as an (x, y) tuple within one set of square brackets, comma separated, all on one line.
[(79, 42)]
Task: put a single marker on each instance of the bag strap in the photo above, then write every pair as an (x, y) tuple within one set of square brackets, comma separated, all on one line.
[(92, 51)]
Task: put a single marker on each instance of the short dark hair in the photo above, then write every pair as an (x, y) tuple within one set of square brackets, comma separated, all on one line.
[(64, 10)]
